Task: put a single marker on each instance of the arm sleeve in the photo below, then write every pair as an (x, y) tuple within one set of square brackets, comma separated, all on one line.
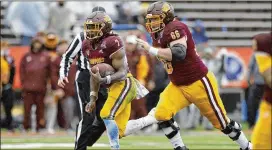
[(68, 57)]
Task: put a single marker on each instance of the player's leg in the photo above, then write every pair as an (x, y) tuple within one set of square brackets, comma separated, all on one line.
[(205, 95), (118, 103), (261, 136), (171, 101), (136, 125)]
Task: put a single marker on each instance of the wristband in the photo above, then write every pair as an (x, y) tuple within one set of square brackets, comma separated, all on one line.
[(94, 94), (153, 51), (108, 77)]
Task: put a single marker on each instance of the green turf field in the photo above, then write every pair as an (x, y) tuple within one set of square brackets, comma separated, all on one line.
[(193, 139)]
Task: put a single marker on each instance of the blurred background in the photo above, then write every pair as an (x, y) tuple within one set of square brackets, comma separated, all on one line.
[(222, 31)]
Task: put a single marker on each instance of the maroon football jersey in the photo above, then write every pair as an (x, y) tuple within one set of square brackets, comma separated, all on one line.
[(191, 68), (105, 49)]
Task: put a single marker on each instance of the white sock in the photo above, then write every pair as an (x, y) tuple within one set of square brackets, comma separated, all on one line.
[(242, 140), (176, 140), (136, 125)]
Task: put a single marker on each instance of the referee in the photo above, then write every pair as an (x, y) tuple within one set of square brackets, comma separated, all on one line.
[(91, 126)]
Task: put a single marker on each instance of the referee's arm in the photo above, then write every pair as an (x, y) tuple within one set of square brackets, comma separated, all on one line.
[(68, 57)]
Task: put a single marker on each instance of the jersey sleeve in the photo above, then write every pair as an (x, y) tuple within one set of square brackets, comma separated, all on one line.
[(263, 61), (113, 44), (174, 32)]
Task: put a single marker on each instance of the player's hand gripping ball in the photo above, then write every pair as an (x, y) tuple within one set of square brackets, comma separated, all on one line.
[(100, 71)]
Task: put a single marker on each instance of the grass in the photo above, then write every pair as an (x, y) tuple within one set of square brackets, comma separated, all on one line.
[(193, 140)]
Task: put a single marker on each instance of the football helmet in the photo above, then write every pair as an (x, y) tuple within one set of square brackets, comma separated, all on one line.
[(97, 25), (158, 15)]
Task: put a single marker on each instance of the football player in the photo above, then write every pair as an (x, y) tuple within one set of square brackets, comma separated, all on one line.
[(91, 126), (191, 82), (261, 136), (103, 46)]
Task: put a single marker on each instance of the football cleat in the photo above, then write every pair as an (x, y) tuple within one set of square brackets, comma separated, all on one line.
[(181, 148)]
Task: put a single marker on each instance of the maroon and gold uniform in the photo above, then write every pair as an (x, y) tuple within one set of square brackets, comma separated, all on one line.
[(121, 93), (261, 136), (191, 68), (190, 81)]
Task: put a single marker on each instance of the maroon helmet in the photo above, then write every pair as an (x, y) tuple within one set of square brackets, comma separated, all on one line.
[(158, 15), (97, 25)]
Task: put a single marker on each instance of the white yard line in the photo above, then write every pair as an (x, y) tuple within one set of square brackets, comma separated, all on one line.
[(45, 145)]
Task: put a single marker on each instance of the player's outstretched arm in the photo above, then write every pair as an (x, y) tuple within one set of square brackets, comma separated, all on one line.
[(177, 50)]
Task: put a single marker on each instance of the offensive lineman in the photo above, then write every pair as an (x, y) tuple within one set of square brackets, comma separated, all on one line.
[(191, 82)]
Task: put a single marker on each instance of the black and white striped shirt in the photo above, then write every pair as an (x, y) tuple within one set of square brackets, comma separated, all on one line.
[(74, 49)]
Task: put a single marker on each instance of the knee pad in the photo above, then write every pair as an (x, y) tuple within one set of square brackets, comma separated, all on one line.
[(170, 123), (233, 130)]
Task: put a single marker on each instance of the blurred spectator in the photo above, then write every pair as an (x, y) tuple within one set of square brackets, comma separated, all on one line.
[(199, 34), (139, 67), (61, 19), (34, 74), (66, 96), (7, 76), (41, 36), (27, 18), (51, 42), (256, 87), (53, 103)]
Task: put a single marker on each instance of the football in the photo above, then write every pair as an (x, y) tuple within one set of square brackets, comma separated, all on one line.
[(104, 69)]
